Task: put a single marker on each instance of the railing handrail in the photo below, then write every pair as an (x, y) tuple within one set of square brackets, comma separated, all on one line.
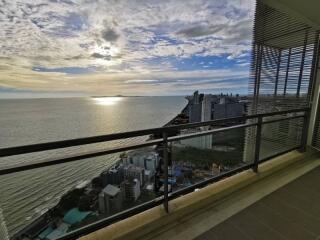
[(39, 147), (11, 151)]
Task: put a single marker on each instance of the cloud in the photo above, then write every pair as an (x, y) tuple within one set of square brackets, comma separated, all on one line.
[(199, 31), (110, 35), (243, 64), (106, 43), (7, 92), (67, 70), (141, 81), (99, 55)]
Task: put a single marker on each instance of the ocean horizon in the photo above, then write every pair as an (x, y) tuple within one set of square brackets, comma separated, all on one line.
[(27, 195)]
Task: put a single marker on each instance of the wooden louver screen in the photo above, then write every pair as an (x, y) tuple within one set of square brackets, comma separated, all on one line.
[(283, 56)]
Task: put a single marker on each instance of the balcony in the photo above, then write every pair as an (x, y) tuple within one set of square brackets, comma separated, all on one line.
[(260, 160), (280, 202)]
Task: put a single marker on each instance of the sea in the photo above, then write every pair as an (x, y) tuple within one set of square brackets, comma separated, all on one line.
[(28, 194)]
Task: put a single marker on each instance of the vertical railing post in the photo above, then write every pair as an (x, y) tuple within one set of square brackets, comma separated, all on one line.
[(165, 165), (277, 74), (302, 63), (287, 73), (257, 145), (305, 129)]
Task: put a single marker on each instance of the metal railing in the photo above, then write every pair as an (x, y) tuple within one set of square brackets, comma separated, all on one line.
[(166, 133)]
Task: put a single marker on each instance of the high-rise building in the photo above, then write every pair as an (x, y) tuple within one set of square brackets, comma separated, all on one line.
[(3, 228), (143, 158), (206, 111), (201, 142), (196, 97), (131, 189), (206, 114), (195, 113), (101, 202), (134, 172), (112, 176), (228, 110), (195, 108), (110, 200)]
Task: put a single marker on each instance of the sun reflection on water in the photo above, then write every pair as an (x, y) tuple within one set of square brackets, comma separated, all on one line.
[(107, 101)]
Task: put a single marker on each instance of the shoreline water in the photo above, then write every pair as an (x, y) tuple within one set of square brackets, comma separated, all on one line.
[(46, 216)]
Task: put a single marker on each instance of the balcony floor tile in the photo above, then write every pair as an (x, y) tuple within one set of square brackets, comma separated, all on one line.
[(291, 212)]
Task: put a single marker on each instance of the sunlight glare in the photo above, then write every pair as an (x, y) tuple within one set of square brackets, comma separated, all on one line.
[(107, 101)]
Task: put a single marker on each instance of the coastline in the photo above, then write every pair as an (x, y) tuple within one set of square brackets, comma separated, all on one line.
[(46, 218)]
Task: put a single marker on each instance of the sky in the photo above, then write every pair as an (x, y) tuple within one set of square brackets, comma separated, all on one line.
[(127, 47)]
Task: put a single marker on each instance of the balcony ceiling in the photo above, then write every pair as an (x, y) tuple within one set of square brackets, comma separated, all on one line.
[(306, 10)]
